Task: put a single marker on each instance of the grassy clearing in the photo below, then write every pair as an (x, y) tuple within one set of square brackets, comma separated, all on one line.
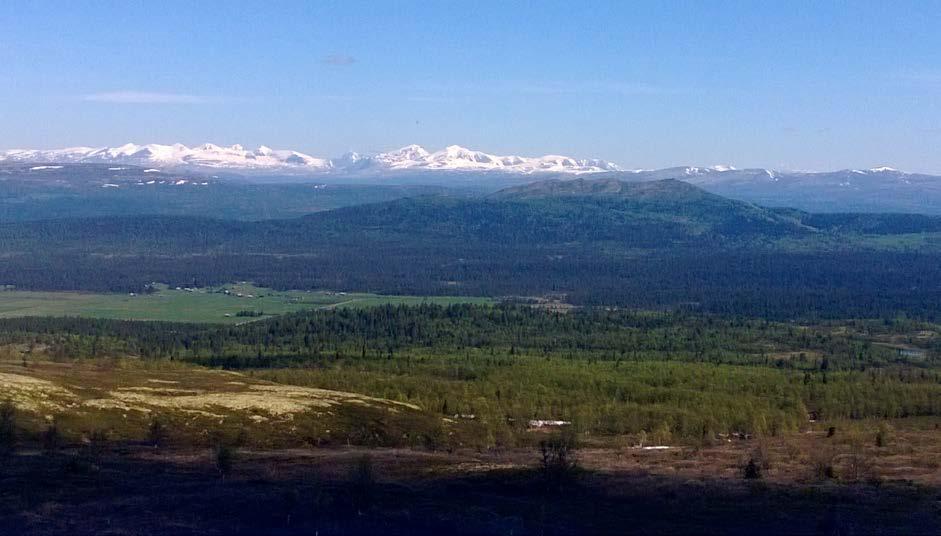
[(213, 305), (122, 398)]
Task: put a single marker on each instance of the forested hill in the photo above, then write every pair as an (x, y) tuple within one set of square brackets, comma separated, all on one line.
[(657, 215), (602, 241)]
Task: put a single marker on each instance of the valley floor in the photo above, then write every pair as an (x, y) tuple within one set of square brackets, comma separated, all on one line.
[(227, 304)]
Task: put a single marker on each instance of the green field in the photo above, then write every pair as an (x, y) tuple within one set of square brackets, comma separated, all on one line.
[(214, 305)]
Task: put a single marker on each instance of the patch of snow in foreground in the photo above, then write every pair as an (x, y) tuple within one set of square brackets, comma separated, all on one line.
[(40, 168)]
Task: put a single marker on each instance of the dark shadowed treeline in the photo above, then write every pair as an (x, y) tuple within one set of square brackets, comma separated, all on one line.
[(772, 285)]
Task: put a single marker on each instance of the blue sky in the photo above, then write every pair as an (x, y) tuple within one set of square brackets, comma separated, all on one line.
[(795, 85)]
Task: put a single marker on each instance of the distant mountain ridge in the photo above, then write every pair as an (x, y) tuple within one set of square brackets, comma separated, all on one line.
[(236, 157), (880, 189)]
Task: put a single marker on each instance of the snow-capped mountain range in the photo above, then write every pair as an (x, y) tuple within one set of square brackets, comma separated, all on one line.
[(877, 189), (237, 158)]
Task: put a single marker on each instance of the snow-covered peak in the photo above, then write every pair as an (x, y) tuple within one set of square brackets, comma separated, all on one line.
[(125, 150), (883, 169), (455, 156)]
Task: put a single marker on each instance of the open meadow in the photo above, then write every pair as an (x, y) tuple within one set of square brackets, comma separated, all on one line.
[(228, 304)]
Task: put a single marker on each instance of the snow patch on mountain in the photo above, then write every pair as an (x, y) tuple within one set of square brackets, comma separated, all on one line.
[(720, 168)]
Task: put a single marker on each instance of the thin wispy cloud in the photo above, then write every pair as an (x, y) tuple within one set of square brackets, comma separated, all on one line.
[(338, 60), (144, 97)]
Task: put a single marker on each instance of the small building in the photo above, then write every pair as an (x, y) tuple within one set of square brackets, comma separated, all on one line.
[(539, 423)]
